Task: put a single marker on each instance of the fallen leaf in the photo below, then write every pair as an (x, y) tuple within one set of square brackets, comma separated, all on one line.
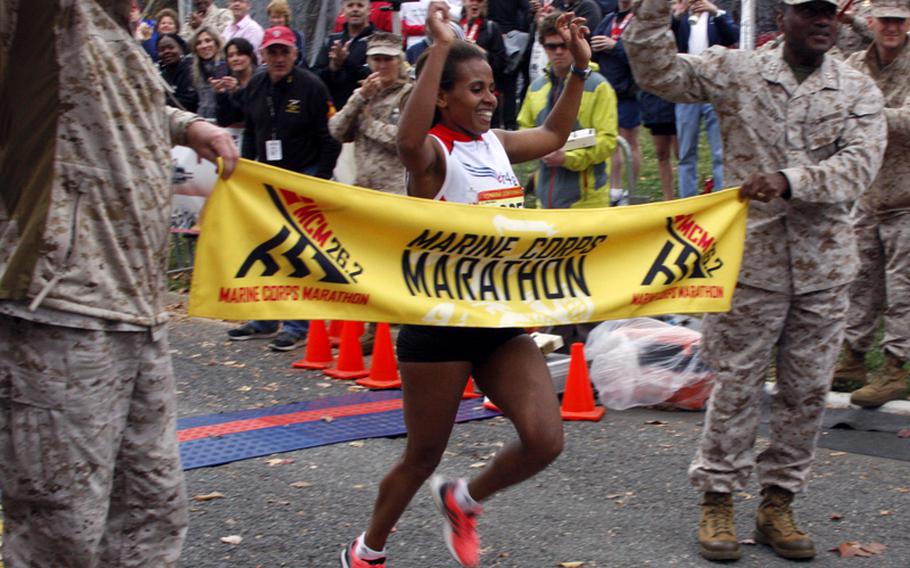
[(745, 496), (245, 388), (837, 454), (356, 444), (852, 548), (359, 486), (477, 465), (874, 547), (278, 461), (229, 363), (904, 433), (232, 539), (884, 513), (301, 484), (324, 385), (571, 564), (836, 516), (903, 490), (209, 496)]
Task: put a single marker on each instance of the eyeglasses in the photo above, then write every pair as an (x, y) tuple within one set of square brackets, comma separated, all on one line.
[(554, 46)]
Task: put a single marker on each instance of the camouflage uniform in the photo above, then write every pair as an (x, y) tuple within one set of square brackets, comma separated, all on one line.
[(89, 469), (215, 18), (855, 36), (826, 135), (373, 126), (883, 221)]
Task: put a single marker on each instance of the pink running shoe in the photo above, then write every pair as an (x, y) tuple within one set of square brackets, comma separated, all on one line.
[(460, 528), (349, 558)]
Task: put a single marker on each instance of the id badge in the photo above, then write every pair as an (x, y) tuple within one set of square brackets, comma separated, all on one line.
[(273, 150)]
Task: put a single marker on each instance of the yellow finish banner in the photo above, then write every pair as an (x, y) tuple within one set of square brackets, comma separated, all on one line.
[(279, 245)]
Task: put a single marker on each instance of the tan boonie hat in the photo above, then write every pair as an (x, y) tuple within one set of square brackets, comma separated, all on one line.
[(381, 43), (891, 9), (794, 2)]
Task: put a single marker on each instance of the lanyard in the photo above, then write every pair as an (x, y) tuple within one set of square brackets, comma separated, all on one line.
[(272, 114), (472, 31), (617, 30)]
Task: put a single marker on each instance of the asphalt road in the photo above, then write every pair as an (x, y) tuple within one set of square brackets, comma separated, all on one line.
[(618, 496)]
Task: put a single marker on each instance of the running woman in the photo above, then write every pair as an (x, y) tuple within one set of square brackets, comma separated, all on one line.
[(444, 127)]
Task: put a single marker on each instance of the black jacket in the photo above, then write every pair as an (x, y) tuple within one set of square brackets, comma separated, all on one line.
[(489, 38), (302, 106), (341, 83), (180, 78)]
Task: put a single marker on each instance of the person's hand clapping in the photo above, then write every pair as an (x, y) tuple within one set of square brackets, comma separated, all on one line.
[(764, 186), (370, 86), (338, 53), (602, 43), (573, 30), (195, 19), (699, 6), (439, 23)]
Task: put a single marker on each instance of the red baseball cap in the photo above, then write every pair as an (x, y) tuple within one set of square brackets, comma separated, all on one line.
[(281, 35)]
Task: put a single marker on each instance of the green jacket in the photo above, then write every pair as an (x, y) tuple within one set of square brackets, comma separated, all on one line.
[(586, 170)]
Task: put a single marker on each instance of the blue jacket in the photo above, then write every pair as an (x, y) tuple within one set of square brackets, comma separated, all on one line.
[(722, 30), (613, 63)]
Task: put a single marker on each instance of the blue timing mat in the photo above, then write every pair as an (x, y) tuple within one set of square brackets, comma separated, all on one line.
[(224, 438)]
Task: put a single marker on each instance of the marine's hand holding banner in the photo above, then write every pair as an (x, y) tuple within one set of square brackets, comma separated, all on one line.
[(278, 245)]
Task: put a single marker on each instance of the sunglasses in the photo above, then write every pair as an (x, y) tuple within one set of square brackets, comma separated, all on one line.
[(554, 46)]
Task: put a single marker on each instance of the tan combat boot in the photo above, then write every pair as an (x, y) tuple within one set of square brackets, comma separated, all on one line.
[(850, 373), (776, 527), (888, 384), (717, 529)]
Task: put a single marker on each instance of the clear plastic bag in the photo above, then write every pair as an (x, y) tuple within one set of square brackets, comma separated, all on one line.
[(646, 362)]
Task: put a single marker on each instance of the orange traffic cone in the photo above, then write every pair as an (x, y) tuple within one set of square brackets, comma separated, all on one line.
[(578, 399), (350, 358), (383, 367), (318, 353), (469, 391), (335, 332)]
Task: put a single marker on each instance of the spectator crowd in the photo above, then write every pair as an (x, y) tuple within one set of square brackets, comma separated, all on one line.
[(209, 59)]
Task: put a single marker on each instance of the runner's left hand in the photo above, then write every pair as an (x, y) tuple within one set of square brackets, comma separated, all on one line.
[(573, 31)]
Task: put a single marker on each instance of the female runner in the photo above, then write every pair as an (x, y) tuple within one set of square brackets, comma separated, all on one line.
[(446, 123)]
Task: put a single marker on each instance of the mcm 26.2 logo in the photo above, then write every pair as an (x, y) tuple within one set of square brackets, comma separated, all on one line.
[(690, 252), (305, 241)]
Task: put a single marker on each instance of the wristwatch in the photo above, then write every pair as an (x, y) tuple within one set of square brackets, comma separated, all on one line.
[(582, 74)]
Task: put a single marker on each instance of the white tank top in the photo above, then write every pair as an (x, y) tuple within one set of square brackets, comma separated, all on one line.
[(478, 170)]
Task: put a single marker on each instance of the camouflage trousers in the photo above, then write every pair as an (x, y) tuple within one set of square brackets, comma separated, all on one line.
[(882, 287), (804, 333), (89, 470)]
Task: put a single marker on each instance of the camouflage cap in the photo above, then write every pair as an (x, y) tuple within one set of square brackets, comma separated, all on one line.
[(381, 43), (890, 9), (794, 2)]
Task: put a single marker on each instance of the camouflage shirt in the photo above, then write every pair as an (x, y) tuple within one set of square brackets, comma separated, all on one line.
[(891, 190), (826, 135), (84, 158), (855, 36), (373, 126)]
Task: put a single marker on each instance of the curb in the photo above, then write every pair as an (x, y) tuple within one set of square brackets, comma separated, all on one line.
[(841, 400)]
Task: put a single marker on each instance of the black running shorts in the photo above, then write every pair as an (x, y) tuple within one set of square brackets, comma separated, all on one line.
[(433, 344)]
